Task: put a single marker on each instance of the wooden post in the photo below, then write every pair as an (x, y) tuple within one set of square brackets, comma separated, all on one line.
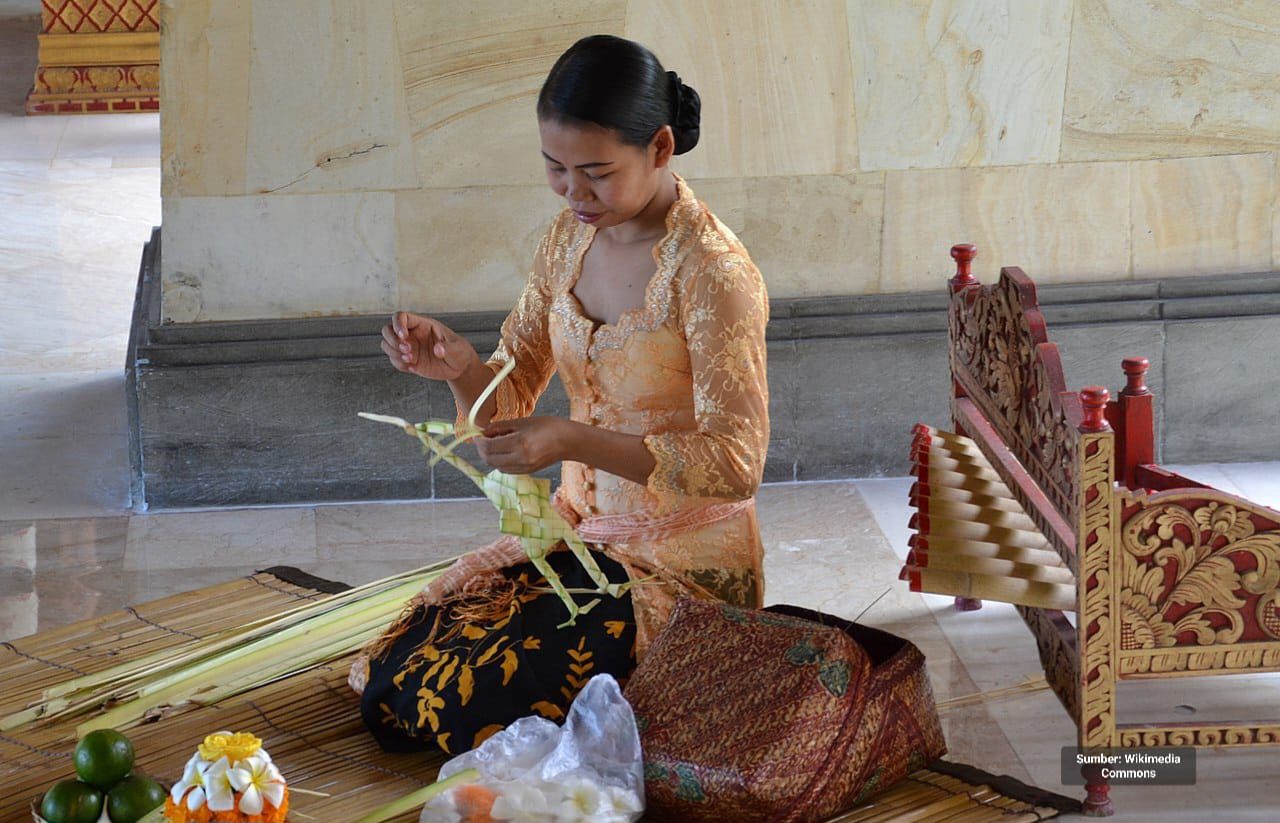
[(1135, 445), (1094, 401), (963, 254), (1095, 536)]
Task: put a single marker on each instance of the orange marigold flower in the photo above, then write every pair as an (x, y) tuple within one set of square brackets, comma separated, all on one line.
[(179, 813)]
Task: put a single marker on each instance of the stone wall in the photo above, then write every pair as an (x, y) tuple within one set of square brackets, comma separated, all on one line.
[(340, 158)]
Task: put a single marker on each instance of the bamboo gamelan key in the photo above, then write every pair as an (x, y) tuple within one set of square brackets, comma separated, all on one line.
[(979, 543)]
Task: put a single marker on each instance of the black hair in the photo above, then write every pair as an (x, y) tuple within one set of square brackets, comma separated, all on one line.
[(619, 84)]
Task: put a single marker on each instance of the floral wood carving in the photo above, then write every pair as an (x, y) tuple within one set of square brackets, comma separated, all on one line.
[(1198, 570), (1218, 736), (1002, 359), (1096, 588)]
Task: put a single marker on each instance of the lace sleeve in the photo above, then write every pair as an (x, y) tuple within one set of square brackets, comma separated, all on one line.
[(724, 314), (525, 337)]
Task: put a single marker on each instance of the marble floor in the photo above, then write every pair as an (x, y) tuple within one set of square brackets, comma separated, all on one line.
[(79, 196)]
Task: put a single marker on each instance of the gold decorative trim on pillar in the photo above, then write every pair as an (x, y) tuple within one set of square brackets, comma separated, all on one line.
[(1096, 630), (97, 57)]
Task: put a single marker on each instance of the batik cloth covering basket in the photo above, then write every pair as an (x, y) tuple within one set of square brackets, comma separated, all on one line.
[(781, 715)]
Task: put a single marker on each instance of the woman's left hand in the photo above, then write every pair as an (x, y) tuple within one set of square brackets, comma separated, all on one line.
[(525, 445)]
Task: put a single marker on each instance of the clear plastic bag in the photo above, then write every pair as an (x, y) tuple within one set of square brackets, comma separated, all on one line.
[(587, 771)]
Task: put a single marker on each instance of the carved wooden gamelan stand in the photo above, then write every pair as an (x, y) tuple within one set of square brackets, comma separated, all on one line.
[(1050, 499)]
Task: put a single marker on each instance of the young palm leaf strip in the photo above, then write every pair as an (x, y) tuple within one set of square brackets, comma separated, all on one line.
[(206, 670)]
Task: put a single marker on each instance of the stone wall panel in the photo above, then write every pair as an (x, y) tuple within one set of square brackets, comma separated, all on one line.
[(1067, 223), (775, 79), (278, 257), (1203, 215), (1172, 78), (958, 82), (359, 139)]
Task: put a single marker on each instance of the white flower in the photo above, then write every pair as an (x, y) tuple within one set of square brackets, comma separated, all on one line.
[(217, 788), (192, 781), (582, 800), (257, 778), (585, 801), (204, 783), (524, 803)]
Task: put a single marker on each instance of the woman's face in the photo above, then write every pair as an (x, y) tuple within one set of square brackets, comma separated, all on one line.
[(605, 182)]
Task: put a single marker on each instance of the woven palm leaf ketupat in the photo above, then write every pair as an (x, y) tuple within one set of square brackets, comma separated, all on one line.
[(524, 504)]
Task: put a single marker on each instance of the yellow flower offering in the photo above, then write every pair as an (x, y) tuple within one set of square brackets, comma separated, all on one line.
[(236, 746), (230, 779)]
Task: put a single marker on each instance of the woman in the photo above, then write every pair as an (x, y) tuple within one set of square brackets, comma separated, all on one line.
[(654, 316)]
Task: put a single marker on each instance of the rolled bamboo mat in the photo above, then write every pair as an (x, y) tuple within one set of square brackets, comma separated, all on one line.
[(310, 723)]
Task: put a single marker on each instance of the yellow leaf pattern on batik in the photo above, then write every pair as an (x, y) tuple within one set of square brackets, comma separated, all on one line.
[(579, 670), (491, 652), (466, 685), (509, 665)]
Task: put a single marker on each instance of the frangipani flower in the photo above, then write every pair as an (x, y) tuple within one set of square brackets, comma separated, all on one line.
[(193, 781), (257, 779), (205, 783), (219, 795), (582, 800)]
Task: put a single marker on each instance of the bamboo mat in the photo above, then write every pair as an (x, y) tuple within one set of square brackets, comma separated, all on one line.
[(310, 722)]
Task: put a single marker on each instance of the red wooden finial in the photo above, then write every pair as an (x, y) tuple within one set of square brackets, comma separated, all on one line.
[(963, 254), (1094, 400), (1135, 369)]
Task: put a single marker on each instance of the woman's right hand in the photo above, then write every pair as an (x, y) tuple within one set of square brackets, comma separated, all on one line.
[(426, 347)]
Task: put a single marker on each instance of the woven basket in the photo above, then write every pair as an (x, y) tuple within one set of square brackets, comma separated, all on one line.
[(780, 715)]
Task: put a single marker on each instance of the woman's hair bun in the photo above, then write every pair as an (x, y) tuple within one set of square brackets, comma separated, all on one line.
[(686, 114), (621, 85)]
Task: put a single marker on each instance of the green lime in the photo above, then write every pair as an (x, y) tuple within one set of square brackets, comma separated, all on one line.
[(133, 797), (71, 802), (103, 757)]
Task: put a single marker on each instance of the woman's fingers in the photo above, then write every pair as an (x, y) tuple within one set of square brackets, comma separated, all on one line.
[(400, 323), (398, 349), (393, 353), (425, 346), (496, 448)]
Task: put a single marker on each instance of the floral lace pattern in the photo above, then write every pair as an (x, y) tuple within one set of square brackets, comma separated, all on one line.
[(686, 372)]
